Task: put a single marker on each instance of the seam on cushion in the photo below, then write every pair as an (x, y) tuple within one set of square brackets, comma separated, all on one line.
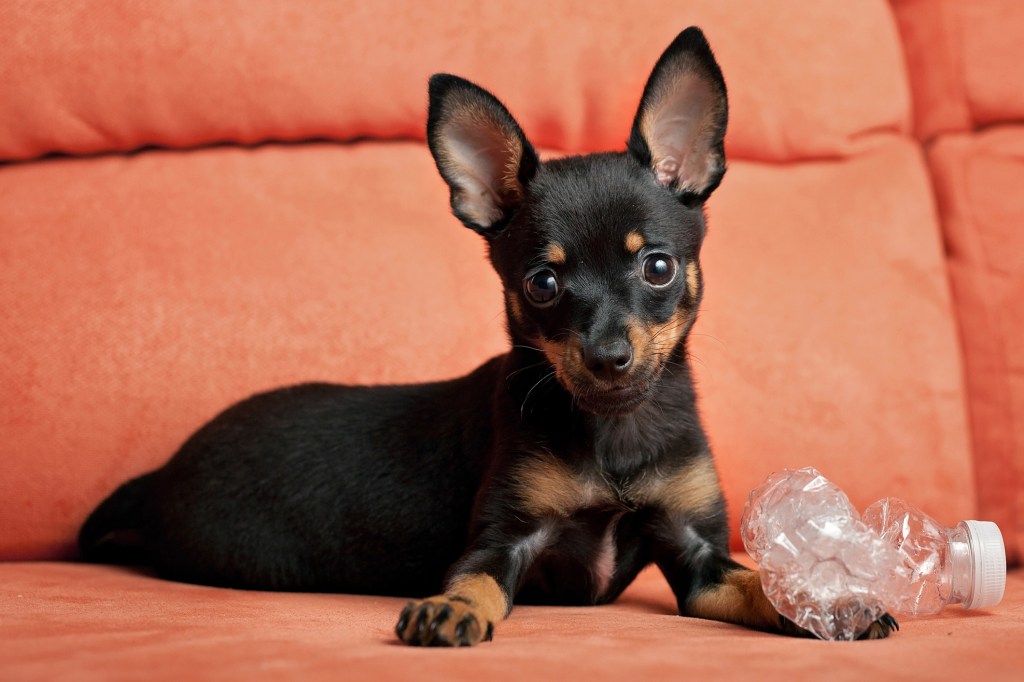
[(954, 56), (971, 251)]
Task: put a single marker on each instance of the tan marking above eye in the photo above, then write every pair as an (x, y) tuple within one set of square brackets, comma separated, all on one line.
[(555, 253), (634, 241)]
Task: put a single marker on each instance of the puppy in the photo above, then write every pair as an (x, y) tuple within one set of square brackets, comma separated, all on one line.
[(551, 474)]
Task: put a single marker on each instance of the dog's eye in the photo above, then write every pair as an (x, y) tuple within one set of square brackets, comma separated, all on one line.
[(541, 287), (659, 269)]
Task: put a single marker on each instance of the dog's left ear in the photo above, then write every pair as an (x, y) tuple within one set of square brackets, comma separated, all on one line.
[(480, 151), (680, 126)]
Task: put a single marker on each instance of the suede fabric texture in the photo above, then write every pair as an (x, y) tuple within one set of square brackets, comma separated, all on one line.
[(242, 199), (70, 622), (977, 180), (229, 271), (965, 62), (805, 79)]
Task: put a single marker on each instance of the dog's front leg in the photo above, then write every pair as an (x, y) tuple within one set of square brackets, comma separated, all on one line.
[(707, 583), (478, 592)]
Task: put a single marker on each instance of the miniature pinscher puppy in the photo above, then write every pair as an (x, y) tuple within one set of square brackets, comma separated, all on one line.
[(551, 474)]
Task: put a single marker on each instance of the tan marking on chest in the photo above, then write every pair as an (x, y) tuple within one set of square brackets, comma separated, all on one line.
[(547, 486), (694, 489)]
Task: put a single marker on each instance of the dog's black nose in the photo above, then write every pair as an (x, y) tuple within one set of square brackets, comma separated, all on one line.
[(608, 360)]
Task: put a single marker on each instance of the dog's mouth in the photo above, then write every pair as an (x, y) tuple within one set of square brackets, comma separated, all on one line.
[(613, 400)]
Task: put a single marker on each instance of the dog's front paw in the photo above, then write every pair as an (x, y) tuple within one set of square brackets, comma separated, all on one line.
[(442, 621), (881, 628)]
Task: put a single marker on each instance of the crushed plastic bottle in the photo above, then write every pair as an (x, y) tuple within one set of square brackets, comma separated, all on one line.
[(833, 572)]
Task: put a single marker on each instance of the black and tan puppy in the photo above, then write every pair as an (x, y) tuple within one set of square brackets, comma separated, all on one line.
[(551, 474)]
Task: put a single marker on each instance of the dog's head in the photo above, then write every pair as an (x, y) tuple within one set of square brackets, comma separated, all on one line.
[(599, 253)]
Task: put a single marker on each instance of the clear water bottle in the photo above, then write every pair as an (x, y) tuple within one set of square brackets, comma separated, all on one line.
[(834, 572), (965, 564)]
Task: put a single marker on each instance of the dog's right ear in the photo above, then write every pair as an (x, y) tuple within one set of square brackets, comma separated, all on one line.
[(480, 151), (680, 126)]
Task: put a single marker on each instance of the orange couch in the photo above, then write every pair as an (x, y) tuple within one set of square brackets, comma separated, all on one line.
[(203, 200)]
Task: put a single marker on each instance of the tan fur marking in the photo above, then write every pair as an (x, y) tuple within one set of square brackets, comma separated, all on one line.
[(548, 487), (566, 357), (483, 593), (654, 343), (639, 339), (634, 241), (693, 490), (664, 337), (738, 599), (692, 279), (555, 254), (515, 307)]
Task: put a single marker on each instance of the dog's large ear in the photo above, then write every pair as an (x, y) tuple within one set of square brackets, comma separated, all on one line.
[(680, 125), (480, 151)]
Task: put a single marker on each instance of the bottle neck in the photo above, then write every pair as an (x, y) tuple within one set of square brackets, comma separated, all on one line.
[(961, 562)]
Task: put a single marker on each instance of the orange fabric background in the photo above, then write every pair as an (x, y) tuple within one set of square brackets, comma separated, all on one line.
[(144, 291), (966, 61), (64, 621), (149, 291), (806, 79), (230, 271), (978, 179)]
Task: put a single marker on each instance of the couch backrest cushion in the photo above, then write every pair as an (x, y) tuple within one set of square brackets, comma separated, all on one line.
[(806, 79), (978, 179), (966, 62), (143, 292)]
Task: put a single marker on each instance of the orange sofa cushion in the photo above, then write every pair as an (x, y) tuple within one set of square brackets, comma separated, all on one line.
[(978, 180), (63, 621), (805, 79), (145, 293), (965, 61)]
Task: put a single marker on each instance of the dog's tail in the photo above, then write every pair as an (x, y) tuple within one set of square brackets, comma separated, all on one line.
[(113, 532)]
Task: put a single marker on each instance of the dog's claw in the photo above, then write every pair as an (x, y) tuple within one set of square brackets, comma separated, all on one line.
[(881, 628), (444, 614), (403, 620), (461, 629)]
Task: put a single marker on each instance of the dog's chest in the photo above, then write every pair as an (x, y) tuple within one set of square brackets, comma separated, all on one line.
[(578, 551)]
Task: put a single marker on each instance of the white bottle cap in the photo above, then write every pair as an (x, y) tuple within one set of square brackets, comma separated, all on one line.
[(989, 564)]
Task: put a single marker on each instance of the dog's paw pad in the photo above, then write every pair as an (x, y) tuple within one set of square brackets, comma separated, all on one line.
[(441, 621)]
